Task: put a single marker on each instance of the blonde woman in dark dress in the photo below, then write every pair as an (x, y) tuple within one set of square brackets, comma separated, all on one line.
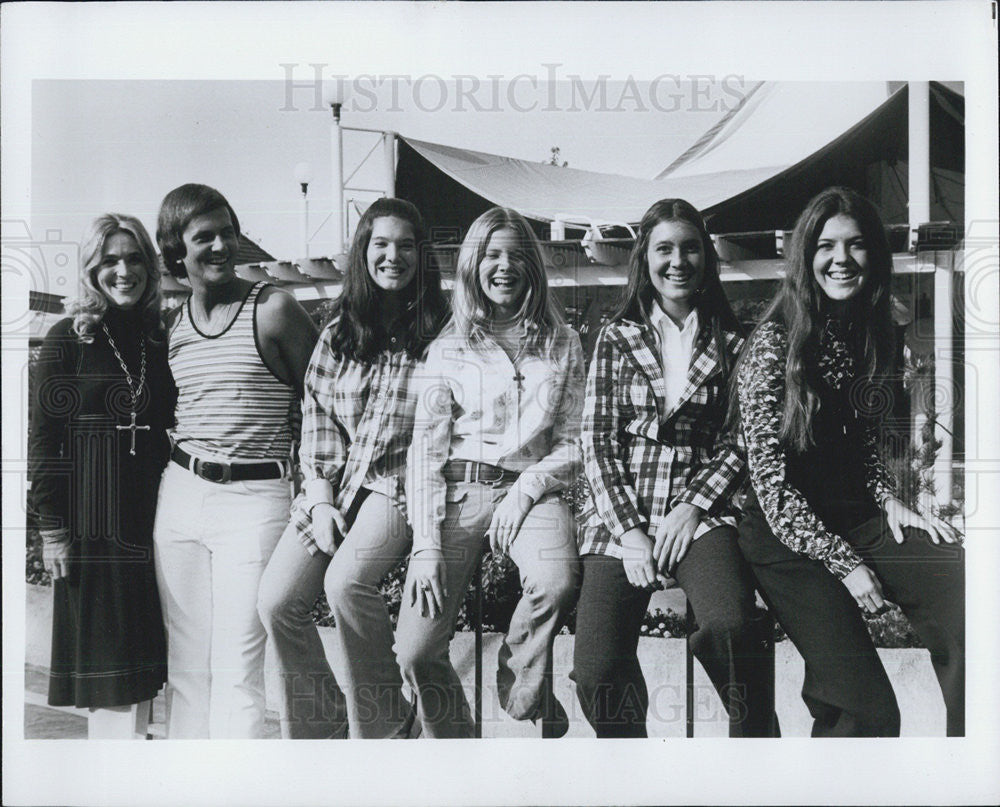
[(102, 401)]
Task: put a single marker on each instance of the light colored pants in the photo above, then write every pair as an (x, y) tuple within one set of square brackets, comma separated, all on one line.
[(370, 688), (546, 557), (119, 722), (212, 542)]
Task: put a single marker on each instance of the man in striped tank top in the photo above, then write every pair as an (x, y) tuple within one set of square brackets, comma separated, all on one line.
[(238, 352)]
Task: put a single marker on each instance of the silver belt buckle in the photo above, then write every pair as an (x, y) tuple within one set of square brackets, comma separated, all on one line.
[(218, 472)]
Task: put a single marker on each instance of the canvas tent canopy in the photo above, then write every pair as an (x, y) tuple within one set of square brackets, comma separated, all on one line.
[(453, 186), (753, 170), (777, 124), (870, 157)]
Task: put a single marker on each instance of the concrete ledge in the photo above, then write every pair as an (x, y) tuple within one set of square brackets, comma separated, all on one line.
[(662, 661)]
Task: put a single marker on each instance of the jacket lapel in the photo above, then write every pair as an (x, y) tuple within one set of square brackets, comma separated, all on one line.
[(643, 352), (704, 364)]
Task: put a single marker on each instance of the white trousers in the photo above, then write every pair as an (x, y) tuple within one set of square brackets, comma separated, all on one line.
[(119, 722), (212, 542)]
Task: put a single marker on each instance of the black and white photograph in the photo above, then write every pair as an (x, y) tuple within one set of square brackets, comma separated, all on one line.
[(616, 375)]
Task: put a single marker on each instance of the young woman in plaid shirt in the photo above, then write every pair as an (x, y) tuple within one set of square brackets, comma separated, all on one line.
[(357, 422), (496, 439), (825, 533), (662, 480)]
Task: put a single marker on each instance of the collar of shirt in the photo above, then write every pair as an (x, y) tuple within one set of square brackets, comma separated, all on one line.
[(510, 339), (676, 349)]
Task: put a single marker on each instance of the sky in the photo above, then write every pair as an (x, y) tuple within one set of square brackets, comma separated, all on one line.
[(108, 144)]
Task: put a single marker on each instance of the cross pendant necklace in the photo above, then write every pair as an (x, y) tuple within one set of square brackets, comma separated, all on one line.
[(135, 390), (133, 429), (513, 346)]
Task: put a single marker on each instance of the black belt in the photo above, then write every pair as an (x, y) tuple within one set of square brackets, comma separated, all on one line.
[(468, 471), (222, 472)]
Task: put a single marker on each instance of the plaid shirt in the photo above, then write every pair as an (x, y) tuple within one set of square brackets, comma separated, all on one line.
[(356, 427), (639, 460)]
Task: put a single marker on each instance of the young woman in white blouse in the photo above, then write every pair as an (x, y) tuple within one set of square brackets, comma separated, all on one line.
[(495, 441)]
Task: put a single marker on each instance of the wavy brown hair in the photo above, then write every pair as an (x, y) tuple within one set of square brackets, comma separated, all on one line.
[(802, 308), (358, 327), (715, 314)]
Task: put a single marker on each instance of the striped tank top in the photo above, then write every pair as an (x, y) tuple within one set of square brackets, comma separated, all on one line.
[(229, 404)]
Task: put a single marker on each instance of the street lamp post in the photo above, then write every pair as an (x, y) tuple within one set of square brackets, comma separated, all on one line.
[(389, 162), (334, 94), (303, 175)]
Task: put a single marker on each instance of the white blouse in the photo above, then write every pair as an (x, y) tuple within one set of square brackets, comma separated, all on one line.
[(676, 349), (479, 405)]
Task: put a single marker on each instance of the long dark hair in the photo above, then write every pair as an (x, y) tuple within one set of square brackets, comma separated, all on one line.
[(715, 315), (802, 308), (358, 329)]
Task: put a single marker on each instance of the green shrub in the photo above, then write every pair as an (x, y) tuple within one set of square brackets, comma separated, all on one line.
[(668, 625), (892, 629)]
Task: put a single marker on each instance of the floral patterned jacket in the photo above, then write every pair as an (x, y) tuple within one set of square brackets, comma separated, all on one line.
[(761, 392)]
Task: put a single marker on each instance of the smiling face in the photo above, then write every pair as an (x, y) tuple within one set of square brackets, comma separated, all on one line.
[(503, 272), (840, 265), (676, 258), (210, 244), (391, 256), (122, 272)]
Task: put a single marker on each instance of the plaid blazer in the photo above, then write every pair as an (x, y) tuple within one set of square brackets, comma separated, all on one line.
[(640, 461)]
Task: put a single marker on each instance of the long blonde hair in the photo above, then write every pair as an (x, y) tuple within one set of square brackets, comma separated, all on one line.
[(472, 310), (89, 308)]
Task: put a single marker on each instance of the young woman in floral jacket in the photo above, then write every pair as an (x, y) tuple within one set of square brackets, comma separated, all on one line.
[(823, 529)]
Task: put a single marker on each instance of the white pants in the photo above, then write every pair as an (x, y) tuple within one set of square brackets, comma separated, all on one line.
[(212, 542), (119, 722)]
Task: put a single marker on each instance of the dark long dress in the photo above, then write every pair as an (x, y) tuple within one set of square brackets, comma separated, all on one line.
[(108, 646)]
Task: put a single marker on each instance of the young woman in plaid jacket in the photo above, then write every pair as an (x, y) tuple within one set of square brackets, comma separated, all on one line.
[(348, 526), (661, 481)]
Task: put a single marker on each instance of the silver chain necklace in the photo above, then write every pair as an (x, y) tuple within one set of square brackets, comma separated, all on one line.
[(134, 390)]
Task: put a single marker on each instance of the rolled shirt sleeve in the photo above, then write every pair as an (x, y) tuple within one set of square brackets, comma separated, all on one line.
[(426, 489), (324, 448)]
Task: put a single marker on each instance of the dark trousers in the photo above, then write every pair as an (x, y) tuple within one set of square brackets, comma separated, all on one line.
[(728, 640), (846, 688)]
